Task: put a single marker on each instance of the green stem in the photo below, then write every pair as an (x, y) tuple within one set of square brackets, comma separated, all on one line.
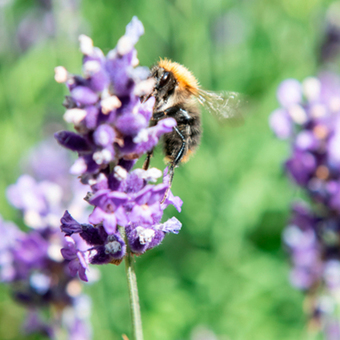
[(133, 292)]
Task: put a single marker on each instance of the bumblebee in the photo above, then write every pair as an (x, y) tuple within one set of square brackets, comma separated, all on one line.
[(178, 94)]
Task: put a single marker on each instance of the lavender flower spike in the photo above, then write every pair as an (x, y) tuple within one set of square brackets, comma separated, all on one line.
[(31, 262), (112, 131), (310, 116)]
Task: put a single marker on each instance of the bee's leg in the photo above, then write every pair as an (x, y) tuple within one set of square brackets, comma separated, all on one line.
[(156, 116), (149, 153), (147, 160), (175, 162), (169, 112)]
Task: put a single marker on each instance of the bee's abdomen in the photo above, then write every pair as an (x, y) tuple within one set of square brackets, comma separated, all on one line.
[(172, 142)]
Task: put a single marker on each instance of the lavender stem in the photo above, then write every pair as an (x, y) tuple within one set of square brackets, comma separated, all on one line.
[(136, 319)]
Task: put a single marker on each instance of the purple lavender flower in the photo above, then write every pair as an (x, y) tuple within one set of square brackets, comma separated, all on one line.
[(35, 324), (313, 124), (137, 207), (38, 23), (112, 131), (11, 234), (310, 118), (301, 239), (30, 262), (48, 162), (78, 260)]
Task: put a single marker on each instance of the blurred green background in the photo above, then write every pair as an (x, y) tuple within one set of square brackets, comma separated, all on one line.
[(226, 272)]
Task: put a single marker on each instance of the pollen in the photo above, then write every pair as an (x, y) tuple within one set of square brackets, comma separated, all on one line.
[(186, 156), (186, 80)]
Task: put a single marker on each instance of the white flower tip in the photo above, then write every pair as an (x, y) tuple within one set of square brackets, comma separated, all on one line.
[(144, 87), (60, 74), (74, 116), (54, 253), (135, 60), (101, 177), (92, 181), (102, 157), (86, 44), (70, 240), (145, 235), (311, 88), (120, 173), (142, 136), (33, 219), (289, 93), (110, 103), (298, 114), (79, 167), (152, 174), (91, 67), (124, 45)]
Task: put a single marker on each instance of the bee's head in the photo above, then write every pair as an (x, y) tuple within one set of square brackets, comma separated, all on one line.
[(165, 84), (168, 77), (165, 80)]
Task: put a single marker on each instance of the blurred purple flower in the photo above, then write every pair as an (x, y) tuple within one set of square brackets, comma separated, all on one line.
[(35, 324), (310, 117), (30, 262), (280, 123), (38, 22), (48, 162), (314, 126), (289, 93)]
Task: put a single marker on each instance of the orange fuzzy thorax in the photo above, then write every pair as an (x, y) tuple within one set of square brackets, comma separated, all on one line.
[(185, 79)]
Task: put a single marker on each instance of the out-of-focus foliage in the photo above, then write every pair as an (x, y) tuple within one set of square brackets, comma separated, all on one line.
[(226, 271)]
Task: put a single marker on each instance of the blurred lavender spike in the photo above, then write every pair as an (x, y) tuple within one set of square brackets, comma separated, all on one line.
[(310, 118), (30, 262)]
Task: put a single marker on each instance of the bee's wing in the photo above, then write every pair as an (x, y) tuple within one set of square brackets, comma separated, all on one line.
[(223, 104)]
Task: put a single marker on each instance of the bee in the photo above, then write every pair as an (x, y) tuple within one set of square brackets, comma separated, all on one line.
[(178, 94)]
